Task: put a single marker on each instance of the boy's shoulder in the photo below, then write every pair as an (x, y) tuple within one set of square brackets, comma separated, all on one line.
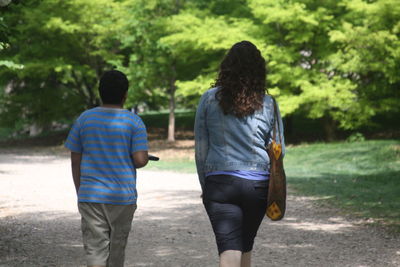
[(108, 113), (88, 112)]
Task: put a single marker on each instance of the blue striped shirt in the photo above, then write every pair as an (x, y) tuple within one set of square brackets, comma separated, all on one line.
[(107, 137)]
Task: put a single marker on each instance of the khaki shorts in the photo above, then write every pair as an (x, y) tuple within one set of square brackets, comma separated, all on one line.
[(105, 231)]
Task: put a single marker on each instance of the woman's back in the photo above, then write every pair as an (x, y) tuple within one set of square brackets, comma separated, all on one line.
[(234, 143)]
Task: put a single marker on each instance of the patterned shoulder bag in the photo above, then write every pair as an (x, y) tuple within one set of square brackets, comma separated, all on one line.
[(277, 180)]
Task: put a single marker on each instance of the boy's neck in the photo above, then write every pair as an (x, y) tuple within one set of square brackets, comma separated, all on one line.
[(111, 106)]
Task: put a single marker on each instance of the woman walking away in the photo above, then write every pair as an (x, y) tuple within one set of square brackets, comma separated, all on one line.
[(233, 126)]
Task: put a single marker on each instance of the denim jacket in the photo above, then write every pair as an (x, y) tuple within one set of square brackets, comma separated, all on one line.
[(227, 143)]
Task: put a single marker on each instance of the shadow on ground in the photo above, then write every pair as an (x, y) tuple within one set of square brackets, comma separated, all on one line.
[(171, 228), (41, 239), (32, 155), (370, 196)]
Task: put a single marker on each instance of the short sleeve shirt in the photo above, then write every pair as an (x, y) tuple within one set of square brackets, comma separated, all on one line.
[(107, 137)]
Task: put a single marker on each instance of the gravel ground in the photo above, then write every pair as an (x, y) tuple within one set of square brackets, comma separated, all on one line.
[(40, 225)]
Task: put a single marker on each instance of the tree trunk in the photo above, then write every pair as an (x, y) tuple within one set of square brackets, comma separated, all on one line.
[(35, 129), (329, 128), (171, 122)]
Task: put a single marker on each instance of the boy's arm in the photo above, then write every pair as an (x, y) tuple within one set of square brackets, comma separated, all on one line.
[(76, 159), (139, 145), (140, 159)]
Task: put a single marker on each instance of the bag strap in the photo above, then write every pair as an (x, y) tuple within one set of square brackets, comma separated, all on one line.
[(275, 123)]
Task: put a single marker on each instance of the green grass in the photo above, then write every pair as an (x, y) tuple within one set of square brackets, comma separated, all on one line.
[(181, 165), (361, 178)]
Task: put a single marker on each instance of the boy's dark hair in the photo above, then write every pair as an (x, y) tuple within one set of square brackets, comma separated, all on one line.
[(113, 87)]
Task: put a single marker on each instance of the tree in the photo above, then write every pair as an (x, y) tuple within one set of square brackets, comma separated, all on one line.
[(64, 47), (336, 60), (368, 54), (152, 64), (4, 32), (149, 65), (200, 36), (304, 43)]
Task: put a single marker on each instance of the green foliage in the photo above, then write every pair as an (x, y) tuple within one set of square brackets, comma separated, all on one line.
[(313, 51), (369, 52), (335, 60), (299, 54), (356, 137), (207, 34), (5, 133), (63, 47), (10, 64), (146, 63), (4, 32)]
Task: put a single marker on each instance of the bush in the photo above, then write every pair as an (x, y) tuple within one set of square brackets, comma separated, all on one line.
[(355, 137)]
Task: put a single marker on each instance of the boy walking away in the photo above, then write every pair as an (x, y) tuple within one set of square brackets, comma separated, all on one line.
[(107, 145)]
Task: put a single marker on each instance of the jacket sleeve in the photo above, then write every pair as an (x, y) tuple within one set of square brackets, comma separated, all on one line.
[(201, 139)]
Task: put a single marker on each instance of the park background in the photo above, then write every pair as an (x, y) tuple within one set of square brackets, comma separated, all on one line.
[(333, 65)]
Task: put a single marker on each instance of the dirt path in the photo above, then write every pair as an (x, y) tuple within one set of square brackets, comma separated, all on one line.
[(39, 224)]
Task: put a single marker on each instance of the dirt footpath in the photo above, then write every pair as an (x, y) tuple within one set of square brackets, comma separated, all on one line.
[(40, 225)]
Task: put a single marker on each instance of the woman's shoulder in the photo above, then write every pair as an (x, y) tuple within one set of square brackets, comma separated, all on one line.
[(268, 100), (210, 93), (268, 97)]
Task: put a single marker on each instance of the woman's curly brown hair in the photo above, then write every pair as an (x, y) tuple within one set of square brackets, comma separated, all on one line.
[(241, 79)]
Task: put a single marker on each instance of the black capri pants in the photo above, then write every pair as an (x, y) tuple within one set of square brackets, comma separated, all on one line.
[(236, 208)]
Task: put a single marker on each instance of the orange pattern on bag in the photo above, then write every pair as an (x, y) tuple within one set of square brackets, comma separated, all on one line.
[(277, 149), (273, 211)]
